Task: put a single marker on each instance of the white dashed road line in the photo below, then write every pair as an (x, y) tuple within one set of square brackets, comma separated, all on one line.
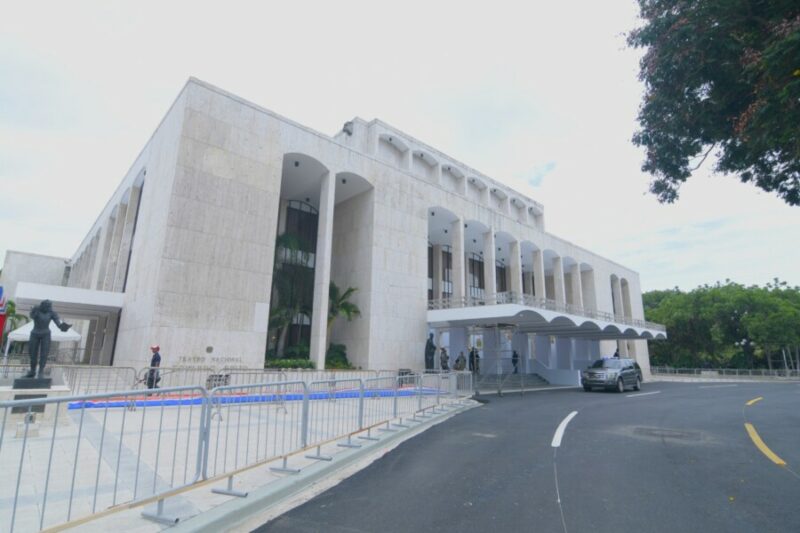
[(560, 429), (642, 394), (716, 386)]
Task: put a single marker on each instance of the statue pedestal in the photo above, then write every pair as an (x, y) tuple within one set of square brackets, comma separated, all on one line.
[(32, 383), (43, 413)]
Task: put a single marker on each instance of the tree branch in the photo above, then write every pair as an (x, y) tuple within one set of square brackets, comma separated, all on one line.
[(704, 158)]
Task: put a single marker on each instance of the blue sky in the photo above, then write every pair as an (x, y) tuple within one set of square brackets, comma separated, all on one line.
[(539, 95)]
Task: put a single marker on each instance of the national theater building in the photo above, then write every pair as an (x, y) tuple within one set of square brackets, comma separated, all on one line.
[(232, 214)]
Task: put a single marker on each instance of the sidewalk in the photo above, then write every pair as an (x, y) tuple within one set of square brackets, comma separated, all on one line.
[(269, 493)]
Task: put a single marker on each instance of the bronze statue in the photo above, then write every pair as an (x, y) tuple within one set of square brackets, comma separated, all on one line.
[(430, 351), (39, 341)]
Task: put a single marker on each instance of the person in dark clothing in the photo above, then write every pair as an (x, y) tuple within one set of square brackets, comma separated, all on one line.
[(155, 362), (445, 360), (616, 353), (515, 361)]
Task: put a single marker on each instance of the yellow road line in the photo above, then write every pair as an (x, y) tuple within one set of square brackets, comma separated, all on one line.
[(763, 447), (754, 400)]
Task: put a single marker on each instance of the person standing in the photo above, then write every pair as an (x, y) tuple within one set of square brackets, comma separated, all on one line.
[(515, 361), (430, 352), (155, 362), (444, 359), (461, 362)]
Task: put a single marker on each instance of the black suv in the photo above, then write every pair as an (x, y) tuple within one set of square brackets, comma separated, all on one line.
[(615, 373)]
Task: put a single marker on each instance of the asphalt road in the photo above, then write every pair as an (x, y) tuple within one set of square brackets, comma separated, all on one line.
[(676, 458)]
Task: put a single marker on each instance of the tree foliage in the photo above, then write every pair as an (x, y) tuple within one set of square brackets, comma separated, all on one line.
[(720, 76), (726, 325)]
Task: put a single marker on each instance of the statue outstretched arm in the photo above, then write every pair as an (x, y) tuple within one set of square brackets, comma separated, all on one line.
[(63, 326)]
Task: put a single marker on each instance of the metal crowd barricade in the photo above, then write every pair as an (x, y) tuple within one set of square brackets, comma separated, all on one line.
[(69, 457), (244, 376), (428, 391), (251, 424), (309, 375), (92, 379), (179, 376), (335, 410), (380, 402)]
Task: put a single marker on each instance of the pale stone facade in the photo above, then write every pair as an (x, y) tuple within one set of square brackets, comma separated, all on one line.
[(189, 238)]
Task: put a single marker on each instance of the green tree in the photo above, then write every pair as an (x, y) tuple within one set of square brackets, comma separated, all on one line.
[(720, 76), (13, 321), (339, 304), (292, 283), (726, 325)]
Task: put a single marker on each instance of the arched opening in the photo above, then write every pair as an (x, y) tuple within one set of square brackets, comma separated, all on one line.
[(440, 256), (502, 241), (588, 287), (476, 235), (550, 258), (292, 294)]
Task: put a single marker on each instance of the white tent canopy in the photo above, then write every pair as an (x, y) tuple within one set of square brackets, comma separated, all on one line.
[(23, 333)]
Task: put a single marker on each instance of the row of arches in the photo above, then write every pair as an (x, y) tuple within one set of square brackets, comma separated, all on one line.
[(497, 267)]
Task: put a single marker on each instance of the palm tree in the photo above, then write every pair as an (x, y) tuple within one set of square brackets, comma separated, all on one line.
[(287, 286), (339, 305), (13, 320)]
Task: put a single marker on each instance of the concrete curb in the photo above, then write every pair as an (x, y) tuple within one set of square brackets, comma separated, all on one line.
[(237, 511), (516, 391)]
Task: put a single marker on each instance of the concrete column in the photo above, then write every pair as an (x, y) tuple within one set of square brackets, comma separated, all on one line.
[(99, 256), (108, 339), (558, 280), (577, 290), (626, 300), (97, 341), (515, 271), (87, 260), (437, 271), (322, 272), (437, 174), (538, 275), (127, 239), (616, 293), (89, 340), (489, 281), (113, 252), (104, 251), (457, 246)]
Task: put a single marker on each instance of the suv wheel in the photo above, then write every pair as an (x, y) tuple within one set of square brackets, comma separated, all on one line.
[(638, 385), (620, 385), (587, 388)]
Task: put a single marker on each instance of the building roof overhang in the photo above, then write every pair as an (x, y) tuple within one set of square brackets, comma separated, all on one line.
[(531, 319), (69, 302)]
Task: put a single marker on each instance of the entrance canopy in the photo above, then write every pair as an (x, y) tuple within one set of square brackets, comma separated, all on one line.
[(544, 318), (68, 301)]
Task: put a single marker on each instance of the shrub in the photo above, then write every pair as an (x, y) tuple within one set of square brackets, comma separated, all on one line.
[(336, 358), (289, 363)]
